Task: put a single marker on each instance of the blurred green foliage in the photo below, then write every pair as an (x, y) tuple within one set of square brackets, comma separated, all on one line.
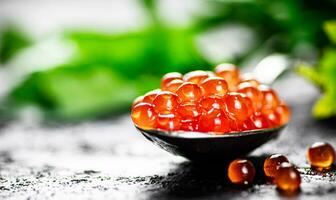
[(11, 41), (283, 24), (71, 92), (324, 75), (108, 71)]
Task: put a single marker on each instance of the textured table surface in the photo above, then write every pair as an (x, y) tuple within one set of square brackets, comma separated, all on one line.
[(108, 159)]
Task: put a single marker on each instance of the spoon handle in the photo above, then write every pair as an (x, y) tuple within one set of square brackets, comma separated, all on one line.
[(271, 67)]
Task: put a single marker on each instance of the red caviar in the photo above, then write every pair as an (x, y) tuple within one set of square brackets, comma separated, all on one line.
[(287, 178), (169, 122), (173, 85), (270, 97), (166, 79), (165, 102), (214, 123), (321, 155), (189, 92), (284, 113), (212, 104), (196, 76), (143, 115), (241, 172), (272, 164), (150, 96), (253, 93), (230, 73), (214, 86), (237, 106), (189, 111), (217, 102)]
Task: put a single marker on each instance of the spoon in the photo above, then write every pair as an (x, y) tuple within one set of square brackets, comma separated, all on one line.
[(201, 146)]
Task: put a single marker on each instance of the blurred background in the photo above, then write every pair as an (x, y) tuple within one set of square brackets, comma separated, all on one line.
[(80, 60)]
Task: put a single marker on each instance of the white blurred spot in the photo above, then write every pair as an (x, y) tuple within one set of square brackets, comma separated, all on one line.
[(225, 42), (271, 67)]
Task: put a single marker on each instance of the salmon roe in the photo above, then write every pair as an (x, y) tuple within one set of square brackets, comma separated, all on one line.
[(189, 112), (189, 92), (230, 73), (287, 177), (272, 164), (165, 102), (150, 96), (251, 92), (144, 116), (237, 106), (270, 98), (138, 100), (321, 155), (214, 86), (214, 105), (166, 79), (216, 102), (169, 122), (241, 172), (196, 76), (173, 85)]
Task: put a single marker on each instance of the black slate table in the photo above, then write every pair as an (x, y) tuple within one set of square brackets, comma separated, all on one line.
[(108, 159)]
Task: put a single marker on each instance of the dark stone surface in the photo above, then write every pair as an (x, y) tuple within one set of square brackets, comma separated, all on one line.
[(109, 159)]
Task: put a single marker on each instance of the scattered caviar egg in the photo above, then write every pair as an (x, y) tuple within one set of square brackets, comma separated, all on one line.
[(189, 92), (272, 164), (165, 102), (321, 155), (284, 113), (169, 122), (143, 115), (189, 111), (241, 172), (196, 76), (214, 86), (270, 98), (214, 123), (150, 96), (173, 85), (230, 73), (167, 78), (236, 106), (287, 177)]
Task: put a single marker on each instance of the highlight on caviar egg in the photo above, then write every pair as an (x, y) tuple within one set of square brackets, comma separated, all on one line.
[(218, 102)]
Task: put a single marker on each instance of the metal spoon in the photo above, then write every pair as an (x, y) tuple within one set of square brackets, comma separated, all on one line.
[(202, 146)]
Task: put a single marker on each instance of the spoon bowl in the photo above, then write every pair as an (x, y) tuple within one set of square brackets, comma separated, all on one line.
[(198, 146)]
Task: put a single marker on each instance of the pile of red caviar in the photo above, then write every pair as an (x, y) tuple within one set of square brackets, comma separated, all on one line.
[(217, 102)]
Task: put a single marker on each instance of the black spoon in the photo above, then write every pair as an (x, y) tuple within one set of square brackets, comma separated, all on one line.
[(201, 146)]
